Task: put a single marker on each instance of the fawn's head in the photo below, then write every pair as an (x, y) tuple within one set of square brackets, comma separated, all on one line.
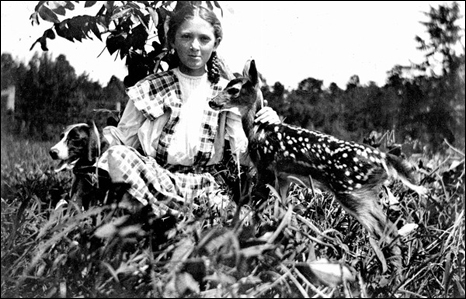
[(242, 92)]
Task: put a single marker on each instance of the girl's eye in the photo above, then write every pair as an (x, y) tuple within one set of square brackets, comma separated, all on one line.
[(185, 36), (205, 39)]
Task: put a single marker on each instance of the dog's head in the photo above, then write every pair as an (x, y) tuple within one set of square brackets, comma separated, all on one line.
[(78, 145)]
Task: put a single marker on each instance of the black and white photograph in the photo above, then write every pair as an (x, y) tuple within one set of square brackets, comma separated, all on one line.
[(232, 149)]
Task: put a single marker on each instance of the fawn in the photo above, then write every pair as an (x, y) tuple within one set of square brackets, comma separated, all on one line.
[(353, 172)]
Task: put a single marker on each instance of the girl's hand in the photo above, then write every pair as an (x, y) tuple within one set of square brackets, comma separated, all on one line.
[(267, 115)]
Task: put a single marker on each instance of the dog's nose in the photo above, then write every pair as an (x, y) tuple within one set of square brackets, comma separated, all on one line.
[(54, 154)]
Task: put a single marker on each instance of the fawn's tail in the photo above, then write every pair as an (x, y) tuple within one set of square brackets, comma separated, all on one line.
[(400, 168)]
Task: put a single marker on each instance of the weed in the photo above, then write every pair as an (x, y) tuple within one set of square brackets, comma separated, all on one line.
[(302, 246)]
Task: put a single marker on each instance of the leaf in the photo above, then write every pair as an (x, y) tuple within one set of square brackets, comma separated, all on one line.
[(124, 50), (49, 34), (297, 181), (34, 19), (407, 229), (138, 37), (144, 20), (59, 10), (112, 271), (185, 281), (62, 202), (63, 31), (76, 31), (120, 14), (93, 27), (131, 230), (48, 15), (114, 42), (59, 260), (221, 278), (182, 251), (157, 47), (106, 231), (154, 15), (379, 254), (43, 43), (331, 274), (38, 6), (89, 3), (69, 5), (256, 250), (164, 16), (37, 41), (218, 5), (455, 164), (393, 202)]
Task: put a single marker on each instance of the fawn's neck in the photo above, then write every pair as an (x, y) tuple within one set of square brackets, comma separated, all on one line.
[(249, 127)]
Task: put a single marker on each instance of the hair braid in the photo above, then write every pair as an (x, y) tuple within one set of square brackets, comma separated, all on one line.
[(213, 68)]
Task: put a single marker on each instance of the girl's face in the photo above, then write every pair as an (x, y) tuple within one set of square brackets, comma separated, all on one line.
[(194, 42)]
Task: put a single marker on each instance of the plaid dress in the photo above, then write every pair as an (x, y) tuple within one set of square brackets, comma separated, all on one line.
[(151, 179)]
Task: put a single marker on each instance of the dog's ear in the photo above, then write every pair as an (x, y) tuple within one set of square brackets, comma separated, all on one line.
[(94, 142)]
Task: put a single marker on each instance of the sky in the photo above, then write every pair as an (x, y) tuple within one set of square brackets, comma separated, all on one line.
[(290, 41)]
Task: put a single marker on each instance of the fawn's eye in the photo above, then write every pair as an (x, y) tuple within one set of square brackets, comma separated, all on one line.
[(233, 91)]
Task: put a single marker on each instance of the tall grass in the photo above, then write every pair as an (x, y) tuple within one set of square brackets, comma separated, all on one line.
[(302, 246)]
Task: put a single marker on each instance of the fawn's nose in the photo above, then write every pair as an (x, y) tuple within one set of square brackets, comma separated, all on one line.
[(213, 104), (53, 153)]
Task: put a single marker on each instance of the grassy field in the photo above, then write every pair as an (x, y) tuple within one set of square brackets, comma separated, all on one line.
[(301, 246)]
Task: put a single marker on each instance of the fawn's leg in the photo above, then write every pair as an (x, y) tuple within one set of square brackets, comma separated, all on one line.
[(365, 207)]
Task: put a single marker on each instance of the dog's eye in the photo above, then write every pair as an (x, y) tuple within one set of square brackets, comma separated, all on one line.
[(73, 135), (77, 142)]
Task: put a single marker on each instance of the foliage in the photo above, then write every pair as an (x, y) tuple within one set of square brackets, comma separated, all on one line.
[(444, 34), (299, 246), (422, 110), (50, 96), (136, 29)]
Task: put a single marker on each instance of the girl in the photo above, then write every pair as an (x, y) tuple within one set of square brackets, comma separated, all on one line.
[(169, 141)]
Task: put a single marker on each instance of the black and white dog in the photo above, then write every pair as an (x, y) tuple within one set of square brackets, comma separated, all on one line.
[(78, 150)]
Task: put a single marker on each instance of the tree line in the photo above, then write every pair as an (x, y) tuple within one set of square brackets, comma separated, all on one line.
[(425, 110), (422, 111), (50, 95)]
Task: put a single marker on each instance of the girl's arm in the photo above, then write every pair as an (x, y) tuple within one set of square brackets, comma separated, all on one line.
[(127, 131)]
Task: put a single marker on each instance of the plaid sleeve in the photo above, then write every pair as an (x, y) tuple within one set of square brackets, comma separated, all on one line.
[(148, 94)]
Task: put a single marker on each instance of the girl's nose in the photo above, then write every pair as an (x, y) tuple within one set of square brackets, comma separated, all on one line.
[(195, 45)]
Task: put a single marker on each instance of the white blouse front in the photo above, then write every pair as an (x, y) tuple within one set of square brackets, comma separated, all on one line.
[(186, 141)]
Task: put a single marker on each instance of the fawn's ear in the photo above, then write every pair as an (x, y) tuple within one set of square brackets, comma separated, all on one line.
[(250, 71)]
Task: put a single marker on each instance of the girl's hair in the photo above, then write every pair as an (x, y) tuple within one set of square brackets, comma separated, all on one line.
[(186, 13)]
